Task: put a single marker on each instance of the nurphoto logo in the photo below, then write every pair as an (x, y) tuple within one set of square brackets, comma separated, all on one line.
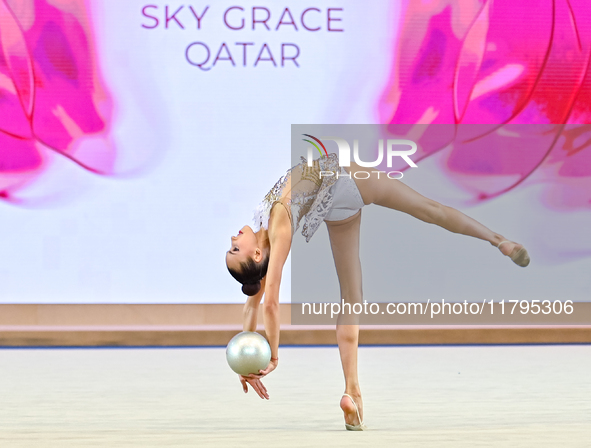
[(344, 155)]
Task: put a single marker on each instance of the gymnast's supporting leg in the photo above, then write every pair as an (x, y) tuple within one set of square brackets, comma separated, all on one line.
[(394, 194), (344, 241)]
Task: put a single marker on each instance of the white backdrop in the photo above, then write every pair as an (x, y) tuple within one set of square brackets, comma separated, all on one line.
[(209, 145), (219, 140)]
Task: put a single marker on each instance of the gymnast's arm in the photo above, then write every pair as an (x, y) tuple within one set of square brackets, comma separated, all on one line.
[(280, 241), (251, 308), (250, 315)]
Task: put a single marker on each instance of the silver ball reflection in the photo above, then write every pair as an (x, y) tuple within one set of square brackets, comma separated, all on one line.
[(248, 352)]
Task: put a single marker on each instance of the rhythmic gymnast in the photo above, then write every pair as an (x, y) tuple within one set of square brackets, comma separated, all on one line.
[(257, 255)]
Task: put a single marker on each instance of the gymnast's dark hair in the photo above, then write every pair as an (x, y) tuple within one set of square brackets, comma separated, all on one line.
[(250, 275)]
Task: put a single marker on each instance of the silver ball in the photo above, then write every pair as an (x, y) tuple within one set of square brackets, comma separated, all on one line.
[(248, 352)]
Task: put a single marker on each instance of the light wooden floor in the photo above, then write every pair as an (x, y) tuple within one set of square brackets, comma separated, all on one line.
[(449, 396)]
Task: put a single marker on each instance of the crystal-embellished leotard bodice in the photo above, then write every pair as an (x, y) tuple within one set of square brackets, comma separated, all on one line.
[(304, 193)]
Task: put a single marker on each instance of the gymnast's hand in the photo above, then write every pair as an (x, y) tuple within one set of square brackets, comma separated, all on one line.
[(272, 366), (255, 383)]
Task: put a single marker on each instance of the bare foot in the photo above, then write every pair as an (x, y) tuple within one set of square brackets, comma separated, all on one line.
[(349, 409)]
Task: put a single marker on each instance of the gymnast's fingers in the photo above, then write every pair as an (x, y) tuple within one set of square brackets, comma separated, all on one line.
[(260, 389), (243, 382)]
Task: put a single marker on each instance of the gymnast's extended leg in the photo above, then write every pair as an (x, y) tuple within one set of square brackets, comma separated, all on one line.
[(344, 242), (394, 194)]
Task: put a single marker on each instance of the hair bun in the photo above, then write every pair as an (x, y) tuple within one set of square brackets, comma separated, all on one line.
[(251, 289)]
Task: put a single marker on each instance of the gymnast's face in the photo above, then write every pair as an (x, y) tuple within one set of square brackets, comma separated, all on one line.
[(243, 246)]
